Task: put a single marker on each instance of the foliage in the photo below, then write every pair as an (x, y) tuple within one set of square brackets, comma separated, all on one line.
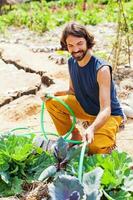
[(63, 154), (106, 176), (115, 182), (20, 162), (91, 183), (43, 16), (101, 54), (117, 173), (68, 187)]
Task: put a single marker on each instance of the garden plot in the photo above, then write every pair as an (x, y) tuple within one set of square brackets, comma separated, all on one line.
[(24, 112), (24, 167)]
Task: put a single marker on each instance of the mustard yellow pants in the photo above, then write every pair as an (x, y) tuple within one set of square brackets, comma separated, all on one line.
[(104, 137)]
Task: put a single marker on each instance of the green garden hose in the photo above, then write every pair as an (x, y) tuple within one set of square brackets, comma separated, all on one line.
[(80, 169), (71, 113), (31, 132)]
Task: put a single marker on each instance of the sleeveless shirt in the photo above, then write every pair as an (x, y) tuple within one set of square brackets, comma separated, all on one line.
[(86, 87)]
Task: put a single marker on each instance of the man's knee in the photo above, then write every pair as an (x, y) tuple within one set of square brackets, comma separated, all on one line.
[(98, 149), (49, 103), (93, 148)]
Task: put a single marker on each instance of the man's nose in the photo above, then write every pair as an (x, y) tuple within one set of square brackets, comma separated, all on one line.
[(75, 49)]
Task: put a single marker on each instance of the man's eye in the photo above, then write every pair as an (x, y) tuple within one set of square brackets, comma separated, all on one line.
[(80, 44), (70, 46)]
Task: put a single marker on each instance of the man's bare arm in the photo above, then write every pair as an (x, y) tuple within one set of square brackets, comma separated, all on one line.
[(104, 81)]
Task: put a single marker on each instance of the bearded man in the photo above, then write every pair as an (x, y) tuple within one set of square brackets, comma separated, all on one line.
[(91, 94)]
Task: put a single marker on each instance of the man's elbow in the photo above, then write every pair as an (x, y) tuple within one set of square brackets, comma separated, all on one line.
[(108, 111)]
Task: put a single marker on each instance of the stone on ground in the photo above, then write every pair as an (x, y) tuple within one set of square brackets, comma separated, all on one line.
[(15, 83)]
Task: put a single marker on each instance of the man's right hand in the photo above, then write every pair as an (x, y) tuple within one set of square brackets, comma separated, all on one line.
[(43, 97)]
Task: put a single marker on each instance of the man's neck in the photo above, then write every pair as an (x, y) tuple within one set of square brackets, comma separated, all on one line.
[(86, 58)]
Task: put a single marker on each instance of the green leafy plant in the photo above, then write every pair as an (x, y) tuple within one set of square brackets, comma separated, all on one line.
[(20, 162), (104, 176), (68, 187), (117, 176), (43, 16), (63, 154)]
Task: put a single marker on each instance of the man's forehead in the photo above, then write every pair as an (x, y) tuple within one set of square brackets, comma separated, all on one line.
[(74, 39)]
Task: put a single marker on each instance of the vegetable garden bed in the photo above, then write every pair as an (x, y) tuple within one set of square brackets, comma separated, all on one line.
[(29, 172)]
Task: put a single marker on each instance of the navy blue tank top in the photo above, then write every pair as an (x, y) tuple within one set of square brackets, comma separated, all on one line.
[(86, 87)]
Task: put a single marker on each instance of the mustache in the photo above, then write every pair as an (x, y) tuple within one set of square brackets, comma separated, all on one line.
[(77, 52)]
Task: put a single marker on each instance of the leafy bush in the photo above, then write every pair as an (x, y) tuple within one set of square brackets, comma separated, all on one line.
[(68, 187), (117, 179), (20, 162), (101, 1), (104, 176)]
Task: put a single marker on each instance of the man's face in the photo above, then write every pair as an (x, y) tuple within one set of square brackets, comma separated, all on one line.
[(77, 47)]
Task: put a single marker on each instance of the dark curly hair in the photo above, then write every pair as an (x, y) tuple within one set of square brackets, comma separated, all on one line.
[(77, 30)]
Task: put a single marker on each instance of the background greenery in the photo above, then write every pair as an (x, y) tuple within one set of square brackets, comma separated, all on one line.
[(43, 15)]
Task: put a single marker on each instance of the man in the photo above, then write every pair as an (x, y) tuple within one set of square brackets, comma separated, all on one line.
[(91, 93)]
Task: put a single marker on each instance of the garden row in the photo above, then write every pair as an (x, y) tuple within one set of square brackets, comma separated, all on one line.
[(22, 163), (42, 16)]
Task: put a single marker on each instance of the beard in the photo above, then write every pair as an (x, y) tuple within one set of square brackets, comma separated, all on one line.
[(79, 55)]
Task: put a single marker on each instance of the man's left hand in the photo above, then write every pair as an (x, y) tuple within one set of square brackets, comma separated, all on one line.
[(88, 135)]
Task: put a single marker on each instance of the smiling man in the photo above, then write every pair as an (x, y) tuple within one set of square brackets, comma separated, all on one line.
[(91, 95)]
